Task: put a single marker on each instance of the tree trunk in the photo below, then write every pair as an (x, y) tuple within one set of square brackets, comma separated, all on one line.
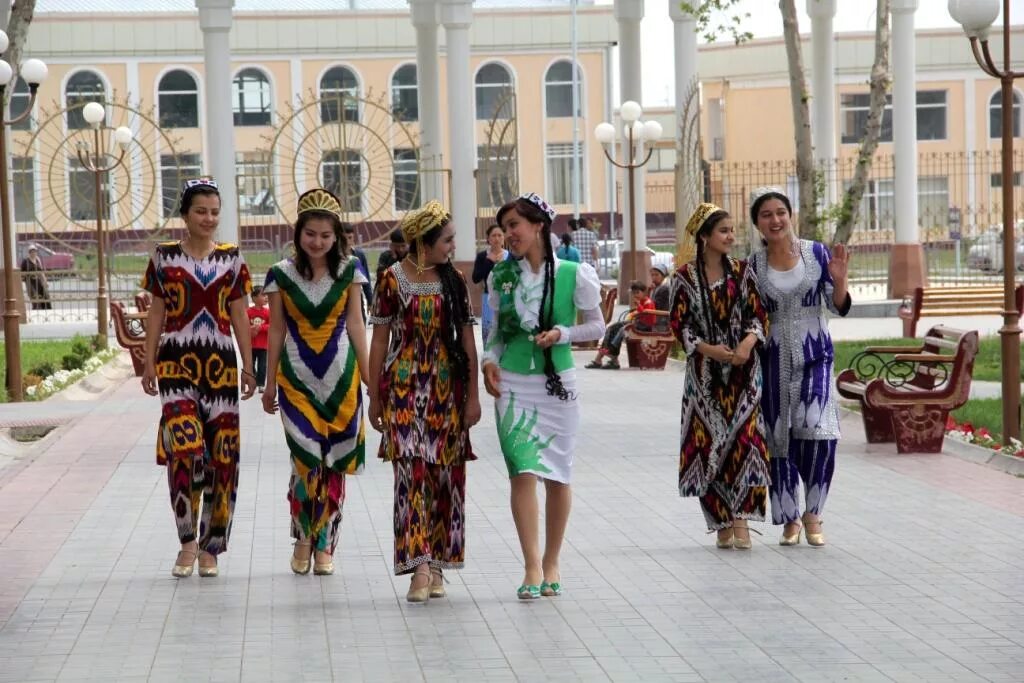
[(880, 82), (801, 122), (17, 33)]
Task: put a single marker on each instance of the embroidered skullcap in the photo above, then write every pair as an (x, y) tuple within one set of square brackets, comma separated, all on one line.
[(539, 202), (319, 199), (761, 194), (418, 223), (699, 216), (206, 182)]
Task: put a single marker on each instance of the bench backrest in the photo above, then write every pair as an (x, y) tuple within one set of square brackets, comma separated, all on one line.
[(964, 346), (611, 295)]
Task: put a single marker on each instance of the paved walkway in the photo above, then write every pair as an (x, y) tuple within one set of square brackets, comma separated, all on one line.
[(921, 580)]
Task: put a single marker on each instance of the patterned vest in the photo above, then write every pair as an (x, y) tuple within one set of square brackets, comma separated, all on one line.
[(521, 355)]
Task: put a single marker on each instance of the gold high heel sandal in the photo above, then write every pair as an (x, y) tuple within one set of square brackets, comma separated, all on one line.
[(300, 565), (324, 568), (724, 542), (421, 594), (183, 571), (815, 539), (792, 539), (437, 589), (208, 572)]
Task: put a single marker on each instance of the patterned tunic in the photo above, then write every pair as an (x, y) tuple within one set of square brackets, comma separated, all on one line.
[(798, 399), (319, 395), (197, 374), (724, 453), (422, 400)]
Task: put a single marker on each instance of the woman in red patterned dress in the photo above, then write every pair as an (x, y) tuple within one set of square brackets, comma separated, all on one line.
[(718, 316)]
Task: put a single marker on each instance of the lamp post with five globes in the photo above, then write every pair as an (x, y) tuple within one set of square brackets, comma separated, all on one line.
[(92, 160), (634, 132), (33, 71), (976, 17)]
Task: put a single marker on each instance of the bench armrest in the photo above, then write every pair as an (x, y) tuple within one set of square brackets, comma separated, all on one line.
[(894, 349), (925, 358)]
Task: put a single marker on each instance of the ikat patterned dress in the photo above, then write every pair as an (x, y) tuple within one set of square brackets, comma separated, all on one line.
[(197, 374), (319, 397), (723, 459), (424, 435)]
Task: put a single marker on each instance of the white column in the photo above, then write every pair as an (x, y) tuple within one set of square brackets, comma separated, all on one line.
[(904, 120), (684, 28), (133, 169), (428, 91), (628, 14), (823, 90), (215, 22), (457, 15)]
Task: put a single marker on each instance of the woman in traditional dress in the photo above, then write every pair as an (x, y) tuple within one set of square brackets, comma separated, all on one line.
[(528, 368), (35, 279), (800, 281), (423, 397), (485, 260), (718, 317), (200, 289), (317, 355)]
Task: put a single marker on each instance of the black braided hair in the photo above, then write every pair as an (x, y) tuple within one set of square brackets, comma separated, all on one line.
[(455, 300), (534, 214), (702, 278)]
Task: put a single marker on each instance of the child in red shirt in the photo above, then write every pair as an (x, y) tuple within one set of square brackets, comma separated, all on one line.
[(259, 324), (616, 332)]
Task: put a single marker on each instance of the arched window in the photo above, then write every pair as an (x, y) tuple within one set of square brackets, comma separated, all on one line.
[(20, 99), (558, 89), (404, 101), (83, 87), (995, 115), (251, 104), (178, 100), (339, 92), (494, 93)]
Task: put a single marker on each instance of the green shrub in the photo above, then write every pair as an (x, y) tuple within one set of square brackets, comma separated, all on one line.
[(44, 369)]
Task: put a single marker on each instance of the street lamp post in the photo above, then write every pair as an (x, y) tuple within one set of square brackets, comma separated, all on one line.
[(91, 160), (634, 132), (976, 17), (33, 72)]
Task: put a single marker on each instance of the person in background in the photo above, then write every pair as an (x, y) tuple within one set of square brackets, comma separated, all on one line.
[(585, 240), (567, 252), (396, 252), (349, 231), (34, 275), (259, 326), (661, 288), (611, 343), (485, 260)]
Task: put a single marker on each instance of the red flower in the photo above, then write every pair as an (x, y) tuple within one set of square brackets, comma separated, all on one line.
[(983, 433), (967, 427), (950, 423)]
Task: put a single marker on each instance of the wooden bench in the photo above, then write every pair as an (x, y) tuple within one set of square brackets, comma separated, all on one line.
[(906, 392), (130, 329), (648, 347), (608, 297), (954, 301)]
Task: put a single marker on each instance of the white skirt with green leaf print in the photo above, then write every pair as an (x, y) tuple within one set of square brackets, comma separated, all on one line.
[(537, 432)]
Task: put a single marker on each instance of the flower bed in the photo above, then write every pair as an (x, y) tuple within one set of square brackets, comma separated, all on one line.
[(63, 378), (981, 437)]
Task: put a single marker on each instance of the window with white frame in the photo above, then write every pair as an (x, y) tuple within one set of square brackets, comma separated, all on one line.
[(252, 98), (82, 192), (558, 90), (23, 187), (931, 116), (877, 205), (252, 174), (495, 175), (174, 171), (995, 115), (662, 159), (933, 201), (407, 182), (560, 161), (494, 94), (996, 180), (21, 96), (178, 100), (83, 87), (341, 173), (339, 93), (404, 99)]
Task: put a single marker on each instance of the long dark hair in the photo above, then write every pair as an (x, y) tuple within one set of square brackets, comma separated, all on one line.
[(534, 214), (756, 206), (714, 334), (456, 300), (334, 256)]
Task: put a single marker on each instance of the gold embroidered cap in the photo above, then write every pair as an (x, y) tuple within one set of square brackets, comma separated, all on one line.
[(319, 199), (418, 223), (699, 216)]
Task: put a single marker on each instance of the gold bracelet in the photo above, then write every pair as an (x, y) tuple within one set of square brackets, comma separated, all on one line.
[(246, 372)]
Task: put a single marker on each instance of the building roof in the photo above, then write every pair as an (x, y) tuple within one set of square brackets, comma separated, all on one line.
[(268, 6)]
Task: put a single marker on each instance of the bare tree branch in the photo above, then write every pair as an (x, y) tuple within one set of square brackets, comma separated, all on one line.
[(799, 97), (17, 33)]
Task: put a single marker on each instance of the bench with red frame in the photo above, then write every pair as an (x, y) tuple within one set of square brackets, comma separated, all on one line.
[(130, 329), (649, 346), (906, 392), (936, 302), (608, 297)]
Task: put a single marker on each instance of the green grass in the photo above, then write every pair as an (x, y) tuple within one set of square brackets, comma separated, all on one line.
[(982, 412), (34, 353), (987, 364)]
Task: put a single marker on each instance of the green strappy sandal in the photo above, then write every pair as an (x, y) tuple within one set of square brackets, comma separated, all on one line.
[(528, 592), (550, 590)]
